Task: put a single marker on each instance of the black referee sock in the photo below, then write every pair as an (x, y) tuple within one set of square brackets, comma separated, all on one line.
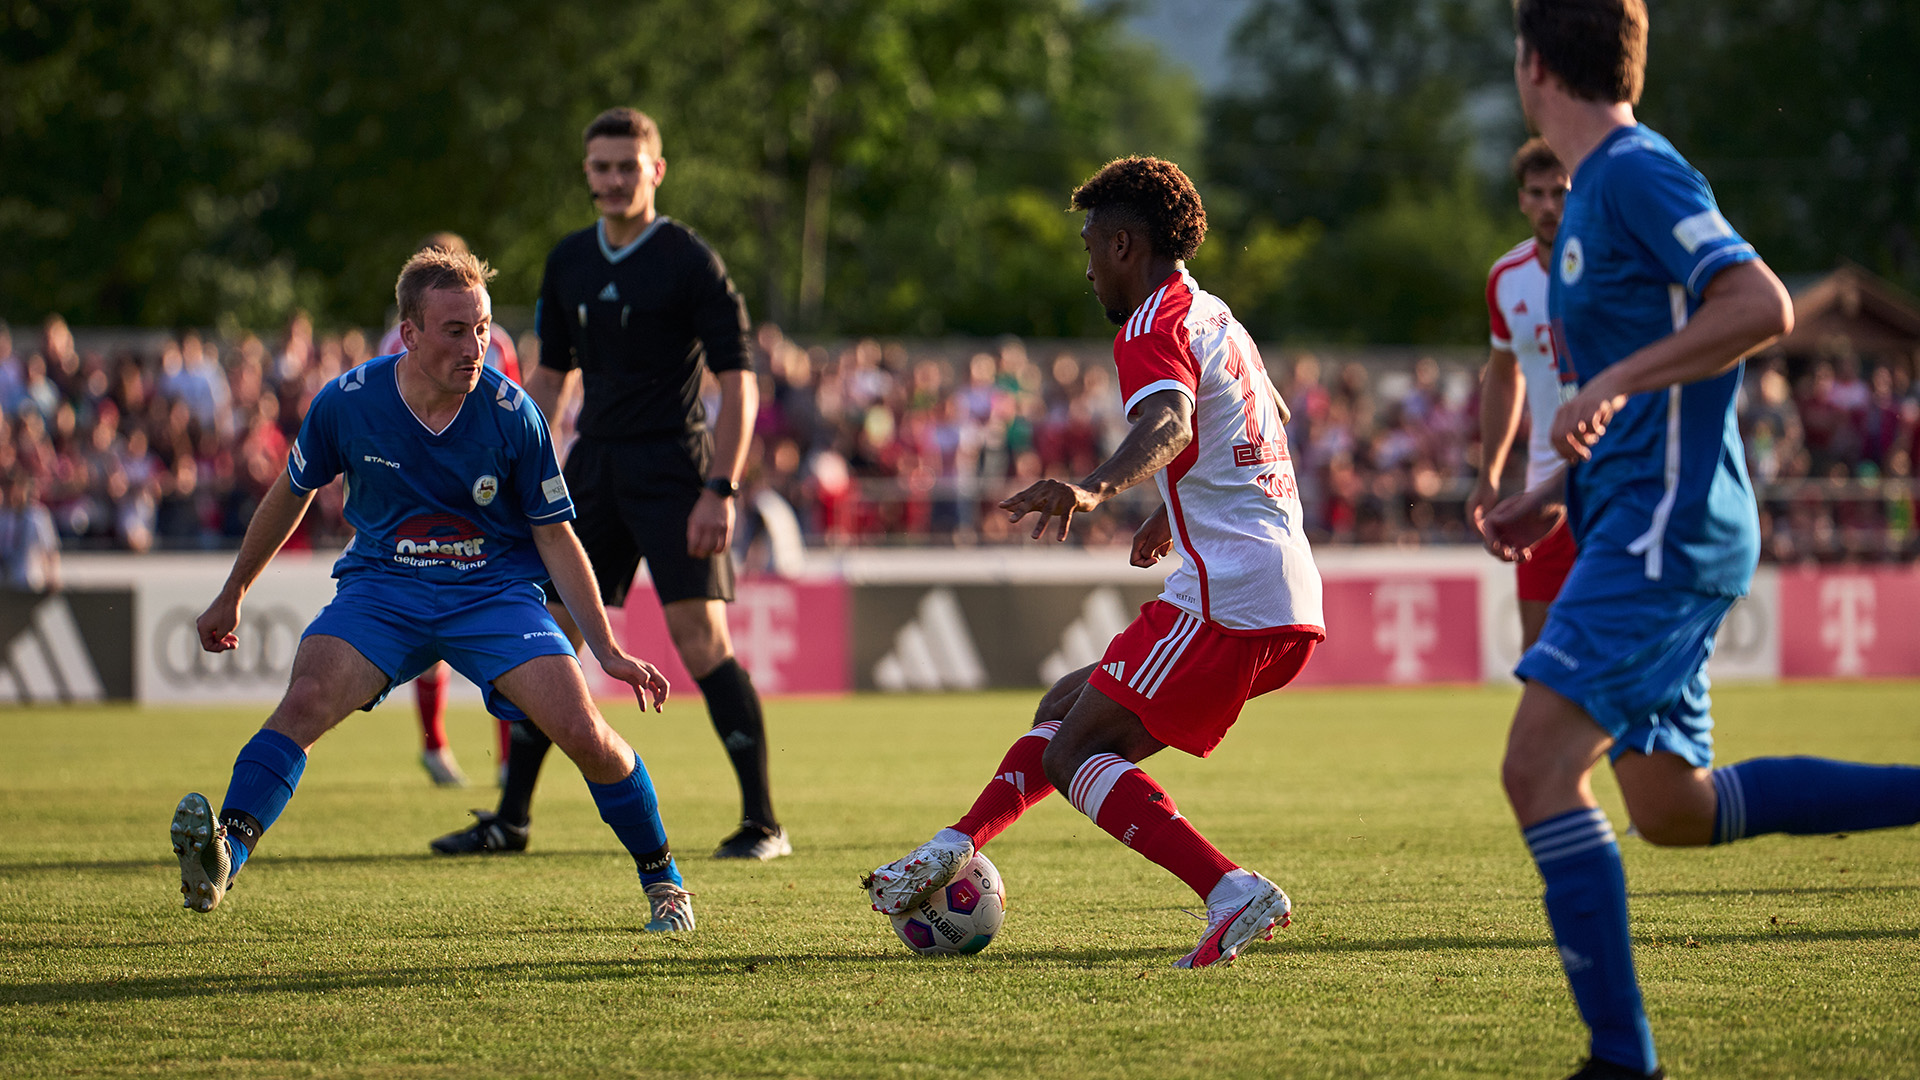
[(526, 749), (734, 706)]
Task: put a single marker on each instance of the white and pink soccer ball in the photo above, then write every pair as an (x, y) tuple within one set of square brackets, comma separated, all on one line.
[(960, 918)]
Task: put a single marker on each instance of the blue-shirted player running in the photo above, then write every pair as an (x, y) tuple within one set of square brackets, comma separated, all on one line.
[(1655, 300), (460, 514)]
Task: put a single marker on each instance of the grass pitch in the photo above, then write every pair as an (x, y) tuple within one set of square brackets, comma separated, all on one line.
[(1419, 947)]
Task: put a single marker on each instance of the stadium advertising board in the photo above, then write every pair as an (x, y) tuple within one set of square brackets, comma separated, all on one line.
[(1849, 622), (913, 621), (70, 646)]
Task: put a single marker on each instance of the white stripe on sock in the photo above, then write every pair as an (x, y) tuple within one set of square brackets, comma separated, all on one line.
[(1092, 782)]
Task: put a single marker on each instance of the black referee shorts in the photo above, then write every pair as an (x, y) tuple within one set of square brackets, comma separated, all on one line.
[(632, 501)]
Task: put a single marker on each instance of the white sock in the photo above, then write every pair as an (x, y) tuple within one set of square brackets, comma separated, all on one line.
[(952, 838), (1233, 885)]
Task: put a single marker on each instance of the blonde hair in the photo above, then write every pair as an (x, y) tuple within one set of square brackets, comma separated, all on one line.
[(437, 268)]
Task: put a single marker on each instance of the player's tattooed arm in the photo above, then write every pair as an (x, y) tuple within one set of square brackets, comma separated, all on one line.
[(573, 579), (1743, 308), (279, 513), (1163, 427)]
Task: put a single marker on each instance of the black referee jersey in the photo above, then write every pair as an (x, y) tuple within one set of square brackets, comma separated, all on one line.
[(638, 322)]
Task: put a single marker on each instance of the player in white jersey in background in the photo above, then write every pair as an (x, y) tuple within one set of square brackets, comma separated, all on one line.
[(1241, 615), (1521, 369)]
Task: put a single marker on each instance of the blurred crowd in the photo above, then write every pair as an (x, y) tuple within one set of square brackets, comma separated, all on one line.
[(171, 444)]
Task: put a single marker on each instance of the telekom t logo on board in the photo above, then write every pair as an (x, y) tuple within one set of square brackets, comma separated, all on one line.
[(762, 621), (1403, 626), (1847, 623)]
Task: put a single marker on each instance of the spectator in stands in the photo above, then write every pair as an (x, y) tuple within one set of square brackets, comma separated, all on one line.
[(29, 546)]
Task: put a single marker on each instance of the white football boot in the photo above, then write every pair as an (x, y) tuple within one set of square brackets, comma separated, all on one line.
[(672, 908), (206, 862), (1244, 906), (900, 884), (441, 766)]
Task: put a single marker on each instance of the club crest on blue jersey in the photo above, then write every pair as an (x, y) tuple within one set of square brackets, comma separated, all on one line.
[(1573, 260), (485, 489)]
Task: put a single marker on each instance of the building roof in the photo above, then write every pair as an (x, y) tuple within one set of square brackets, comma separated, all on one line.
[(1871, 313)]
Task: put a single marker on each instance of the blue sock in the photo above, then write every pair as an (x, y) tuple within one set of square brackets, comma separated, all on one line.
[(1808, 796), (1586, 902), (633, 811), (264, 776)]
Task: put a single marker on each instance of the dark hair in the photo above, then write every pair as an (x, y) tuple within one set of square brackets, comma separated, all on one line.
[(1534, 156), (436, 268), (1598, 48), (450, 241), (624, 123), (1151, 195)]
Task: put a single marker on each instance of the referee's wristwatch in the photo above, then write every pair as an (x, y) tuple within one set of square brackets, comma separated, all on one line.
[(723, 487)]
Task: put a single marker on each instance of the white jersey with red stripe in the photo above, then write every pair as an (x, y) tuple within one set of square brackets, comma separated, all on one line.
[(1231, 498), (1517, 312)]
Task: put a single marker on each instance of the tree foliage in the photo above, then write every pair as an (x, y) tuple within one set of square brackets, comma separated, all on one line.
[(1805, 116), (864, 165)]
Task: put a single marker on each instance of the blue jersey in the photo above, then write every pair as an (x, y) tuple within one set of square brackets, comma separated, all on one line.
[(1667, 485), (458, 505)]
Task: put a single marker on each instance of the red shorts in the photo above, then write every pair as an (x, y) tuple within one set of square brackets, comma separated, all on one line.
[(1541, 576), (1186, 678)]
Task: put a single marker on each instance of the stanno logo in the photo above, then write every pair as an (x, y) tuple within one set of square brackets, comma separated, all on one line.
[(354, 380), (510, 395), (373, 460)]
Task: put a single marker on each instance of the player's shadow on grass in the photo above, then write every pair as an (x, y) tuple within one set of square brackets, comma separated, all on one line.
[(625, 970), (269, 862)]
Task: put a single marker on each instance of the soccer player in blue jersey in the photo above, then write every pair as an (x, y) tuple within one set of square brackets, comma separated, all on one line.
[(1655, 300), (460, 513)]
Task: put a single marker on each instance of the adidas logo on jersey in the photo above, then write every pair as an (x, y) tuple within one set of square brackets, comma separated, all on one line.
[(610, 293), (1117, 669), (1520, 308)]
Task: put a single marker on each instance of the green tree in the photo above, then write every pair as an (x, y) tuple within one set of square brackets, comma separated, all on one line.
[(1803, 115), (1343, 176), (864, 165)]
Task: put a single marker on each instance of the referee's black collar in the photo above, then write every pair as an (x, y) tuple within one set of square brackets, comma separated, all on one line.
[(606, 249)]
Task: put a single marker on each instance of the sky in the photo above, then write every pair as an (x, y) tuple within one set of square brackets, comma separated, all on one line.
[(1193, 33)]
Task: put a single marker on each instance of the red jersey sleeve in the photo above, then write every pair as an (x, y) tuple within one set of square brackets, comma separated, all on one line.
[(509, 356), (1157, 360), (1502, 337)]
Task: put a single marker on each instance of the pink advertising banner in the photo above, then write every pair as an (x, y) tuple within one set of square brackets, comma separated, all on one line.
[(791, 635), (1386, 630), (1849, 622)]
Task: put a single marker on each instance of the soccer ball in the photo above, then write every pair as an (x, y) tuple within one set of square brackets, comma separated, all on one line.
[(961, 918)]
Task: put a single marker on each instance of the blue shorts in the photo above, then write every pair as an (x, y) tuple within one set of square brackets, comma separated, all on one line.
[(403, 625), (1633, 654)]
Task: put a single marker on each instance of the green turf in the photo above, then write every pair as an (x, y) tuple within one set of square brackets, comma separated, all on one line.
[(1418, 949)]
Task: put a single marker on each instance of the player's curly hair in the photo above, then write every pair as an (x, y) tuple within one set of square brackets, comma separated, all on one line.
[(437, 268), (1151, 195)]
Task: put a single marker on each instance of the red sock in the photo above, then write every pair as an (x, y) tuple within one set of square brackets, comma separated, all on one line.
[(1016, 785), (430, 690), (506, 739), (1128, 804)]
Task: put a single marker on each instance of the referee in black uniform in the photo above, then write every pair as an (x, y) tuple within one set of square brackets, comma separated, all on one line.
[(641, 307)]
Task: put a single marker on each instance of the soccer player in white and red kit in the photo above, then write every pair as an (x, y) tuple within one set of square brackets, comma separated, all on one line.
[(1522, 360), (1241, 615)]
